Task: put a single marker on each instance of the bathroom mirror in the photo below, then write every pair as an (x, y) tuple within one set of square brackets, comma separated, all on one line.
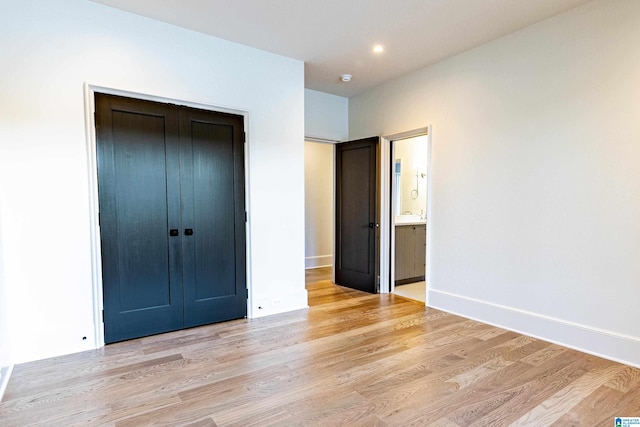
[(410, 176)]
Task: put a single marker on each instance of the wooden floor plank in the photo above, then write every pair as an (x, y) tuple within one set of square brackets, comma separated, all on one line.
[(627, 379), (591, 409), (351, 359), (562, 401)]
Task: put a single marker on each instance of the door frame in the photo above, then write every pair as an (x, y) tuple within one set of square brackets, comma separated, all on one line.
[(387, 220), (92, 169)]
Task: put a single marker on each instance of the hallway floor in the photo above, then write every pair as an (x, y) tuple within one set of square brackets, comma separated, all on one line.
[(416, 291)]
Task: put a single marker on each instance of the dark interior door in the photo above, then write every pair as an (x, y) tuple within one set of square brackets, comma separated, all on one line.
[(139, 202), (357, 216), (171, 194), (212, 158)]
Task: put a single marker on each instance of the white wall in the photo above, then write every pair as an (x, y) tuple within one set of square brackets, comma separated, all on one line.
[(325, 116), (318, 187), (535, 196), (48, 50), (5, 344)]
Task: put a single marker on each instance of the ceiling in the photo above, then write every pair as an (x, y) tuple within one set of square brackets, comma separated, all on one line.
[(335, 37)]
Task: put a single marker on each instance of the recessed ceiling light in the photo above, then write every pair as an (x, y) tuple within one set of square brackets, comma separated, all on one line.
[(346, 77), (378, 48)]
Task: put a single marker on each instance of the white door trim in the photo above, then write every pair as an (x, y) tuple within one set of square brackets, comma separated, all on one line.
[(387, 223), (94, 228)]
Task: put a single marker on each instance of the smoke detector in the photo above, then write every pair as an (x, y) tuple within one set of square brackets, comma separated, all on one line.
[(346, 77)]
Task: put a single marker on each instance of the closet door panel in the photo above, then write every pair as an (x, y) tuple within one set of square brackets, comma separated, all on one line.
[(137, 179), (141, 210), (212, 153)]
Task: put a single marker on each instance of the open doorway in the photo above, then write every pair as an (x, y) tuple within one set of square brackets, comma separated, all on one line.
[(409, 191), (319, 209)]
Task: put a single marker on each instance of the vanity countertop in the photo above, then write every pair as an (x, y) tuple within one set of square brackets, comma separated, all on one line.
[(401, 220), (418, 222)]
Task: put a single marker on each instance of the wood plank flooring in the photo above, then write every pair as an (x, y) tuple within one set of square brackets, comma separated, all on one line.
[(352, 359)]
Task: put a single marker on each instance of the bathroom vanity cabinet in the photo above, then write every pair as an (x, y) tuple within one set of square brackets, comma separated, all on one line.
[(411, 246)]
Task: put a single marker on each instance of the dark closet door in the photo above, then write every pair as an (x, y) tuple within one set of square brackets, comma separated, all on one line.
[(171, 190), (213, 216), (356, 252), (139, 192)]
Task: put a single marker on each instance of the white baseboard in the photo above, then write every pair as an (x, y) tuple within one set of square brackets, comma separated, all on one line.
[(318, 261), (598, 342), (52, 341), (5, 373), (276, 304), (318, 266)]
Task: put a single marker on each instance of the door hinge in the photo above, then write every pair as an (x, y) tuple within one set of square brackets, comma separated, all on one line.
[(102, 316), (244, 137), (247, 290), (245, 216), (99, 219)]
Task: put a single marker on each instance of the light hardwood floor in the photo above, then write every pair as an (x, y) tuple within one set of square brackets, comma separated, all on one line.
[(352, 359)]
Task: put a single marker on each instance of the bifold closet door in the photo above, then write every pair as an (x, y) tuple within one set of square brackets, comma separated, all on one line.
[(172, 217), (139, 193)]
